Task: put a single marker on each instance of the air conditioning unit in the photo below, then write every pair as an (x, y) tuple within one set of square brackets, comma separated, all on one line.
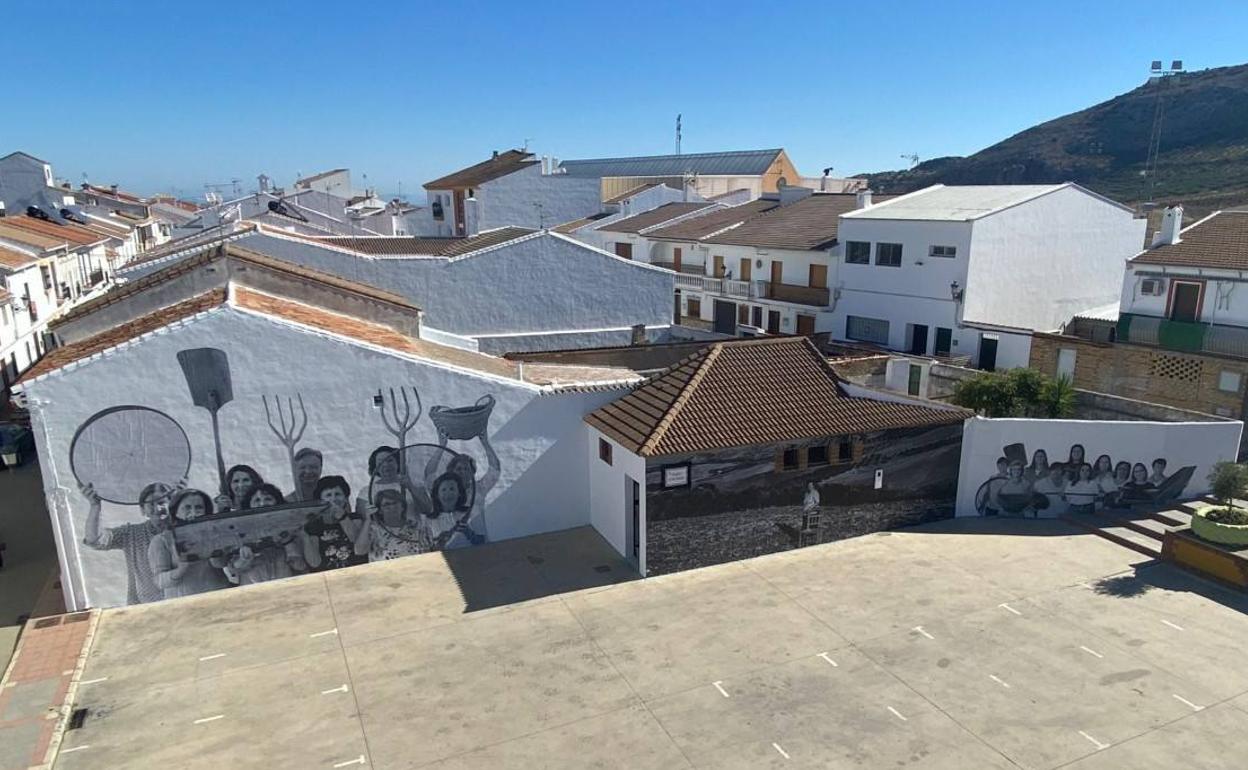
[(1153, 287)]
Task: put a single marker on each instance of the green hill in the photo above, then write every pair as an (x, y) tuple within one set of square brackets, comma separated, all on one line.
[(1203, 159)]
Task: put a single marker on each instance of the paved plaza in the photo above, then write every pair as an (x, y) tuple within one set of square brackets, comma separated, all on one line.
[(965, 644)]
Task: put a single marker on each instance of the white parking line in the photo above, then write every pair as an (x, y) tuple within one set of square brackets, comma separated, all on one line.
[(93, 681), (921, 631), (1098, 744), (1187, 703), (209, 719), (783, 753), (1005, 606), (343, 688), (76, 748), (1091, 651), (897, 714), (999, 681), (719, 686), (212, 657), (1175, 626), (824, 655), (333, 631), (360, 760)]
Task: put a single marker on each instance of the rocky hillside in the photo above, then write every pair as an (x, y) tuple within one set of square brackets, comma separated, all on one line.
[(1203, 162)]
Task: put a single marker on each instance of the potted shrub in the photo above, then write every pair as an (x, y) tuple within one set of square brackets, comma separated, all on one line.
[(1224, 523)]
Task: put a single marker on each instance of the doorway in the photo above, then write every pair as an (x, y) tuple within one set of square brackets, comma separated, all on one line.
[(918, 339), (718, 265), (805, 324), (777, 272), (1184, 301), (746, 266), (915, 380), (773, 321), (676, 310), (725, 317), (944, 341), (632, 507), (988, 354)]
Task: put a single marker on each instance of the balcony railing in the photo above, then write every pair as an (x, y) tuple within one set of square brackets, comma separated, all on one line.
[(689, 269), (714, 285), (802, 295), (1185, 336)]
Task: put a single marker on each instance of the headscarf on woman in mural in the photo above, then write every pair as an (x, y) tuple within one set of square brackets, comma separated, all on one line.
[(239, 481), (272, 560), (132, 539), (330, 535), (176, 573), (390, 529)]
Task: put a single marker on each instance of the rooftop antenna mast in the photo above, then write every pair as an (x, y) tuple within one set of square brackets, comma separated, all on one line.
[(1164, 80), (912, 157), (678, 133)]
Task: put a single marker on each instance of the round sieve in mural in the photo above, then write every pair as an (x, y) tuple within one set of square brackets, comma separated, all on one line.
[(124, 448)]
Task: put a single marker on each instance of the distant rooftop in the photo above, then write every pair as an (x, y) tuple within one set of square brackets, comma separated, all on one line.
[(807, 224), (736, 163), (317, 177), (500, 165), (696, 228), (1218, 241), (397, 246), (959, 203), (665, 213)]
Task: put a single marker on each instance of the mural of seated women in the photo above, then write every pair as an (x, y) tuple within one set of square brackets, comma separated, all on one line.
[(1016, 496), (385, 472), (1083, 492), (1112, 488), (240, 481), (389, 531), (1054, 489), (176, 573)]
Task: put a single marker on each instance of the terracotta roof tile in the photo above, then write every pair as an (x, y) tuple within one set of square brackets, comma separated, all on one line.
[(696, 228), (14, 259), (477, 174), (1220, 241), (63, 356), (750, 392), (75, 234), (664, 213), (808, 224), (28, 237), (414, 246)]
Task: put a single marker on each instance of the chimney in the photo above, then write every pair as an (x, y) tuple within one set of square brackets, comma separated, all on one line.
[(495, 154), (472, 224), (823, 181), (864, 199), (113, 188), (263, 179), (1171, 224)]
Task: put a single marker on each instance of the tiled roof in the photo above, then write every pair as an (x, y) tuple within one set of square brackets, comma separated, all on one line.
[(14, 259), (713, 221), (203, 239), (387, 245), (68, 354), (75, 234), (664, 213), (631, 192), (501, 165), (1219, 241), (576, 224), (738, 163), (810, 223), (746, 393), (28, 237)]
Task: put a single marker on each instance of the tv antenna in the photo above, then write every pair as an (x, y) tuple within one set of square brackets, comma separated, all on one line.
[(1163, 79), (677, 133)]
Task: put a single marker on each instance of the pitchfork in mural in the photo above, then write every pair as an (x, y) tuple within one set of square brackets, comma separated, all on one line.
[(417, 497), (1034, 487)]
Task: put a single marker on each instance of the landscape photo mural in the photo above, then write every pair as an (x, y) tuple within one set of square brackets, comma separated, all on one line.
[(736, 503), (247, 524)]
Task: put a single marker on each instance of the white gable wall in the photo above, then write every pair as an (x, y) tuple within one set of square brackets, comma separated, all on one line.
[(527, 198)]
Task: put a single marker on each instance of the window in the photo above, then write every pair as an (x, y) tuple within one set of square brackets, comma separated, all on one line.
[(888, 254), (943, 251), (46, 272), (866, 329), (1229, 381), (789, 461), (845, 450), (817, 455), (694, 307), (604, 450), (857, 252)]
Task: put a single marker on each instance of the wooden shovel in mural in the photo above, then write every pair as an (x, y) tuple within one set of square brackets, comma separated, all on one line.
[(207, 372)]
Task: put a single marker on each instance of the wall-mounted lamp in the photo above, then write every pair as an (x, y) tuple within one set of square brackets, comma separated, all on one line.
[(956, 291)]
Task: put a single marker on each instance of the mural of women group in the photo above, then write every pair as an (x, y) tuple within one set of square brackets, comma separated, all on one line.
[(416, 497), (1039, 488)]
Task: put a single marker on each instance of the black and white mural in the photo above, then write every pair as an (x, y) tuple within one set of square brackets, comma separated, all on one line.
[(714, 507), (248, 524)]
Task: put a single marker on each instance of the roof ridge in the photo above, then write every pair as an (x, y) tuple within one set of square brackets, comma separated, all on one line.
[(709, 356)]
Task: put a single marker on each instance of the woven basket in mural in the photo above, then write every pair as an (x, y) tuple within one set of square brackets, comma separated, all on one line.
[(463, 422)]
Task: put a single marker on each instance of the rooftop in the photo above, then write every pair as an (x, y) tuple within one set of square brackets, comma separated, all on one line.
[(631, 192), (13, 259), (665, 213), (522, 654), (74, 234), (704, 225), (502, 164), (412, 246), (317, 177), (958, 203), (808, 224), (750, 392), (1217, 241), (576, 224), (735, 163)]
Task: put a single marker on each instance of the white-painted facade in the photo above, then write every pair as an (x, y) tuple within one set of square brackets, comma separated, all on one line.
[(538, 435), (610, 496), (524, 198), (24, 314)]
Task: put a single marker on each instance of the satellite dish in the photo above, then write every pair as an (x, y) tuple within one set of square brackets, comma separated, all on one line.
[(124, 448)]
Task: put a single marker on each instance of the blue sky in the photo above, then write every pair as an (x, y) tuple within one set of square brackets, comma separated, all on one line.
[(169, 96)]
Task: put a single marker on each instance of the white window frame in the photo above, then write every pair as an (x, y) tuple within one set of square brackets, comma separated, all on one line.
[(942, 252), (865, 261), (900, 250)]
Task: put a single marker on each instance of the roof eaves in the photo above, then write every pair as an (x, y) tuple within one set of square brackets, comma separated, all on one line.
[(660, 430), (904, 197), (683, 217)]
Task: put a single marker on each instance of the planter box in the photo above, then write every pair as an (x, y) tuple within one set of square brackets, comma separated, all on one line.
[(1215, 532), (1226, 564)]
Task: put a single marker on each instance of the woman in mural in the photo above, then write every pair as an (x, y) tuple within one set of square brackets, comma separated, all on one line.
[(132, 539), (176, 573), (987, 500), (1159, 472), (1054, 489), (450, 520), (1074, 461), (240, 481), (1122, 477), (474, 530), (271, 560), (385, 472), (1082, 493), (1039, 468), (389, 530), (1016, 496), (330, 536), (308, 464), (1139, 489), (1104, 468)]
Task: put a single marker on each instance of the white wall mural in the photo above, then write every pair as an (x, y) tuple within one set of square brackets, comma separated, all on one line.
[(1047, 468)]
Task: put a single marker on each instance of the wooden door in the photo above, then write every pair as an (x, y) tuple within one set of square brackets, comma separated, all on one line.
[(458, 196), (805, 324), (1185, 301), (819, 276), (773, 321), (676, 254), (746, 265), (777, 271), (944, 341), (719, 266)]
